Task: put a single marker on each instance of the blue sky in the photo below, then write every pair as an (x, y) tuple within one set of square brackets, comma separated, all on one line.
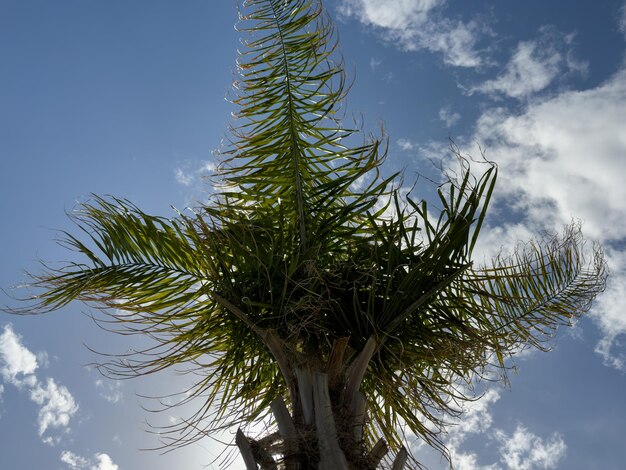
[(127, 98)]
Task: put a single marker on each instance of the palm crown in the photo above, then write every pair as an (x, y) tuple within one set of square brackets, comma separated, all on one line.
[(308, 261)]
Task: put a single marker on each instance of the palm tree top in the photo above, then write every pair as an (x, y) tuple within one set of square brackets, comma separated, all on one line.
[(308, 256)]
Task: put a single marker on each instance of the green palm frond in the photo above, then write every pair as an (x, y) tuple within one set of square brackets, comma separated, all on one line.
[(153, 276), (288, 147)]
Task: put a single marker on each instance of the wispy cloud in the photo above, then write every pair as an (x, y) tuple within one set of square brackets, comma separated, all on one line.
[(476, 416), (57, 405), (392, 14), (99, 461), (375, 62), (448, 116), (560, 157), (182, 177), (524, 450), (16, 362), (73, 461), (406, 144), (104, 462), (17, 367), (416, 24), (454, 39), (564, 157), (609, 313), (110, 391), (520, 450), (191, 173), (534, 65)]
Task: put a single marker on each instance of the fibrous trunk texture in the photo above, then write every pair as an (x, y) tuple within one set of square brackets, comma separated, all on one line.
[(324, 428)]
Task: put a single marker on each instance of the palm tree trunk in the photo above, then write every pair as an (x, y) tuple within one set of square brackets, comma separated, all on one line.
[(324, 430)]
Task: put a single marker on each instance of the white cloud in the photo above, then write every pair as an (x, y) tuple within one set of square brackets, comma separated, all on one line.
[(533, 66), (16, 362), (18, 366), (104, 463), (413, 25), (523, 450), (454, 39), (189, 173), (57, 405), (476, 415), (393, 14), (111, 392), (609, 312), (476, 419), (73, 461), (564, 157), (375, 62), (206, 167), (498, 239), (449, 117), (100, 461), (406, 144), (182, 177), (462, 460)]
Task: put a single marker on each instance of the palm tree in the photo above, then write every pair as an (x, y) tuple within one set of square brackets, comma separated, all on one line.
[(310, 288)]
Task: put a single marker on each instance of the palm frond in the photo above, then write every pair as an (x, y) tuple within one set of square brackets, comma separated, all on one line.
[(153, 276), (288, 147)]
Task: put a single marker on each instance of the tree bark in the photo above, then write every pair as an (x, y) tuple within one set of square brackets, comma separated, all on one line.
[(324, 429)]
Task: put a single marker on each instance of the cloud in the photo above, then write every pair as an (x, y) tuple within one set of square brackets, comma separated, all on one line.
[(476, 416), (189, 173), (17, 367), (560, 158), (17, 362), (406, 144), (502, 238), (375, 62), (463, 461), (414, 25), (73, 461), (523, 450), (392, 14), (111, 392), (183, 178), (454, 39), (447, 116), (57, 405), (533, 66), (100, 461), (104, 463), (564, 157), (609, 313)]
